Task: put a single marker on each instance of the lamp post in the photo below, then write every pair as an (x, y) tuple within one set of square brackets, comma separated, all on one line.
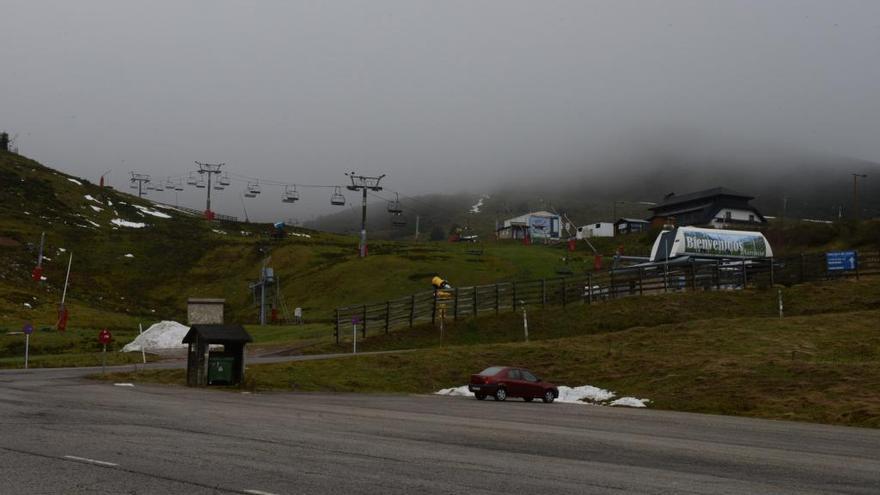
[(856, 178)]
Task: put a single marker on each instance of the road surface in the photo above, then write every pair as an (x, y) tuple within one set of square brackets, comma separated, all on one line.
[(62, 433)]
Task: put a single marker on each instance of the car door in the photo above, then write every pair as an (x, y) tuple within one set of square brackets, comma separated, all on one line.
[(531, 385), (513, 382)]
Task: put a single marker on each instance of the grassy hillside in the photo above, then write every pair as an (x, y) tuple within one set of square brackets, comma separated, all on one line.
[(719, 353)]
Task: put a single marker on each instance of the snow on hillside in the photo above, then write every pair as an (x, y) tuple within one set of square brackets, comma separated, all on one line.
[(125, 223), (479, 204)]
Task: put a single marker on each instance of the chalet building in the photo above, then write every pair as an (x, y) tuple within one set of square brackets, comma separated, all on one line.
[(719, 207)]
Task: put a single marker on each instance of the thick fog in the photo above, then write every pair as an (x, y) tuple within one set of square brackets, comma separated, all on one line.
[(441, 96)]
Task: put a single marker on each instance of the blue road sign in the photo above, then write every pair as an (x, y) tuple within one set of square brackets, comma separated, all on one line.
[(27, 329), (841, 260)]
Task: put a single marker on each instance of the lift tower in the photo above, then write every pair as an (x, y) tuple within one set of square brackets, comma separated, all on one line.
[(364, 184)]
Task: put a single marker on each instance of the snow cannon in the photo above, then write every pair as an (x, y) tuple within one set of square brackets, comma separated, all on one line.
[(439, 283)]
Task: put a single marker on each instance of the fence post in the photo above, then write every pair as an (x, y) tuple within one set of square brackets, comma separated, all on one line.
[(590, 288), (564, 295), (641, 283), (455, 304), (387, 315), (475, 302), (513, 284), (693, 276), (543, 292), (497, 299), (717, 274), (364, 323), (412, 310), (336, 325)]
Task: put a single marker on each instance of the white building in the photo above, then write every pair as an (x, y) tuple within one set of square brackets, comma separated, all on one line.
[(599, 229)]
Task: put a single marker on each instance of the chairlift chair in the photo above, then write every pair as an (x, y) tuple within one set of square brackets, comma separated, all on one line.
[(133, 185), (290, 194), (192, 180), (218, 186), (394, 206), (337, 198), (178, 186), (224, 181), (398, 220), (253, 188), (200, 183)]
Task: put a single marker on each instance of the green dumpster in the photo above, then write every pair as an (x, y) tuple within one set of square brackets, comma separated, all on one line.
[(220, 370)]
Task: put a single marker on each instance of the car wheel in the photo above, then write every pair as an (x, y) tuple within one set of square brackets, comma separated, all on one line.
[(548, 397), (480, 396), (501, 394), (528, 399)]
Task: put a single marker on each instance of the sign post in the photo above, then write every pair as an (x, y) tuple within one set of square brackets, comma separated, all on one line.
[(354, 335), (842, 261), (28, 329), (104, 337)]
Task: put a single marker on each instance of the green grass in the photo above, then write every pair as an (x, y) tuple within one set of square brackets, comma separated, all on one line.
[(74, 347), (624, 313), (820, 368)]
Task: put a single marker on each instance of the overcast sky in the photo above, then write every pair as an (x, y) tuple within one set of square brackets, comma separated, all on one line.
[(441, 96)]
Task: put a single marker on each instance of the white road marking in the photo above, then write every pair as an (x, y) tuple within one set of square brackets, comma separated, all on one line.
[(90, 461), (258, 492)]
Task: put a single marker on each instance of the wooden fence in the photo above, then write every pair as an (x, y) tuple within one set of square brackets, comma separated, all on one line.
[(464, 302)]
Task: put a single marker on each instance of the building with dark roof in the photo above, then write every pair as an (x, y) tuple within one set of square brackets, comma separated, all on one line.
[(718, 207)]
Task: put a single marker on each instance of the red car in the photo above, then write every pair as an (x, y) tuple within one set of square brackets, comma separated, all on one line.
[(502, 382)]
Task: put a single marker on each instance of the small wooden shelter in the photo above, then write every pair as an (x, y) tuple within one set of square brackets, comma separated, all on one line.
[(224, 366)]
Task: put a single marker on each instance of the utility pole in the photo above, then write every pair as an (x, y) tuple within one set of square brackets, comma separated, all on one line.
[(141, 179), (856, 178), (363, 183), (210, 169), (417, 227)]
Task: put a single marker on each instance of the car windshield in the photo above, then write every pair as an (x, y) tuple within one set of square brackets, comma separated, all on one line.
[(491, 371)]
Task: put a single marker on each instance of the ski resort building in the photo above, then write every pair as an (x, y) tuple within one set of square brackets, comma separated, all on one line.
[(718, 208), (537, 225)]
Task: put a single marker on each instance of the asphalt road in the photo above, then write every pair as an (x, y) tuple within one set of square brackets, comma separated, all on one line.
[(61, 433)]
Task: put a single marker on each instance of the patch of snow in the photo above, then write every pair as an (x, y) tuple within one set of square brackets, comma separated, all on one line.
[(62, 250), (46, 258), (162, 335), (152, 212), (96, 208), (28, 305), (125, 223), (75, 181), (109, 203), (479, 204), (630, 402), (43, 278), (585, 394), (93, 223), (582, 393), (27, 213), (218, 231), (123, 384), (455, 392), (128, 255), (91, 198), (297, 234)]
